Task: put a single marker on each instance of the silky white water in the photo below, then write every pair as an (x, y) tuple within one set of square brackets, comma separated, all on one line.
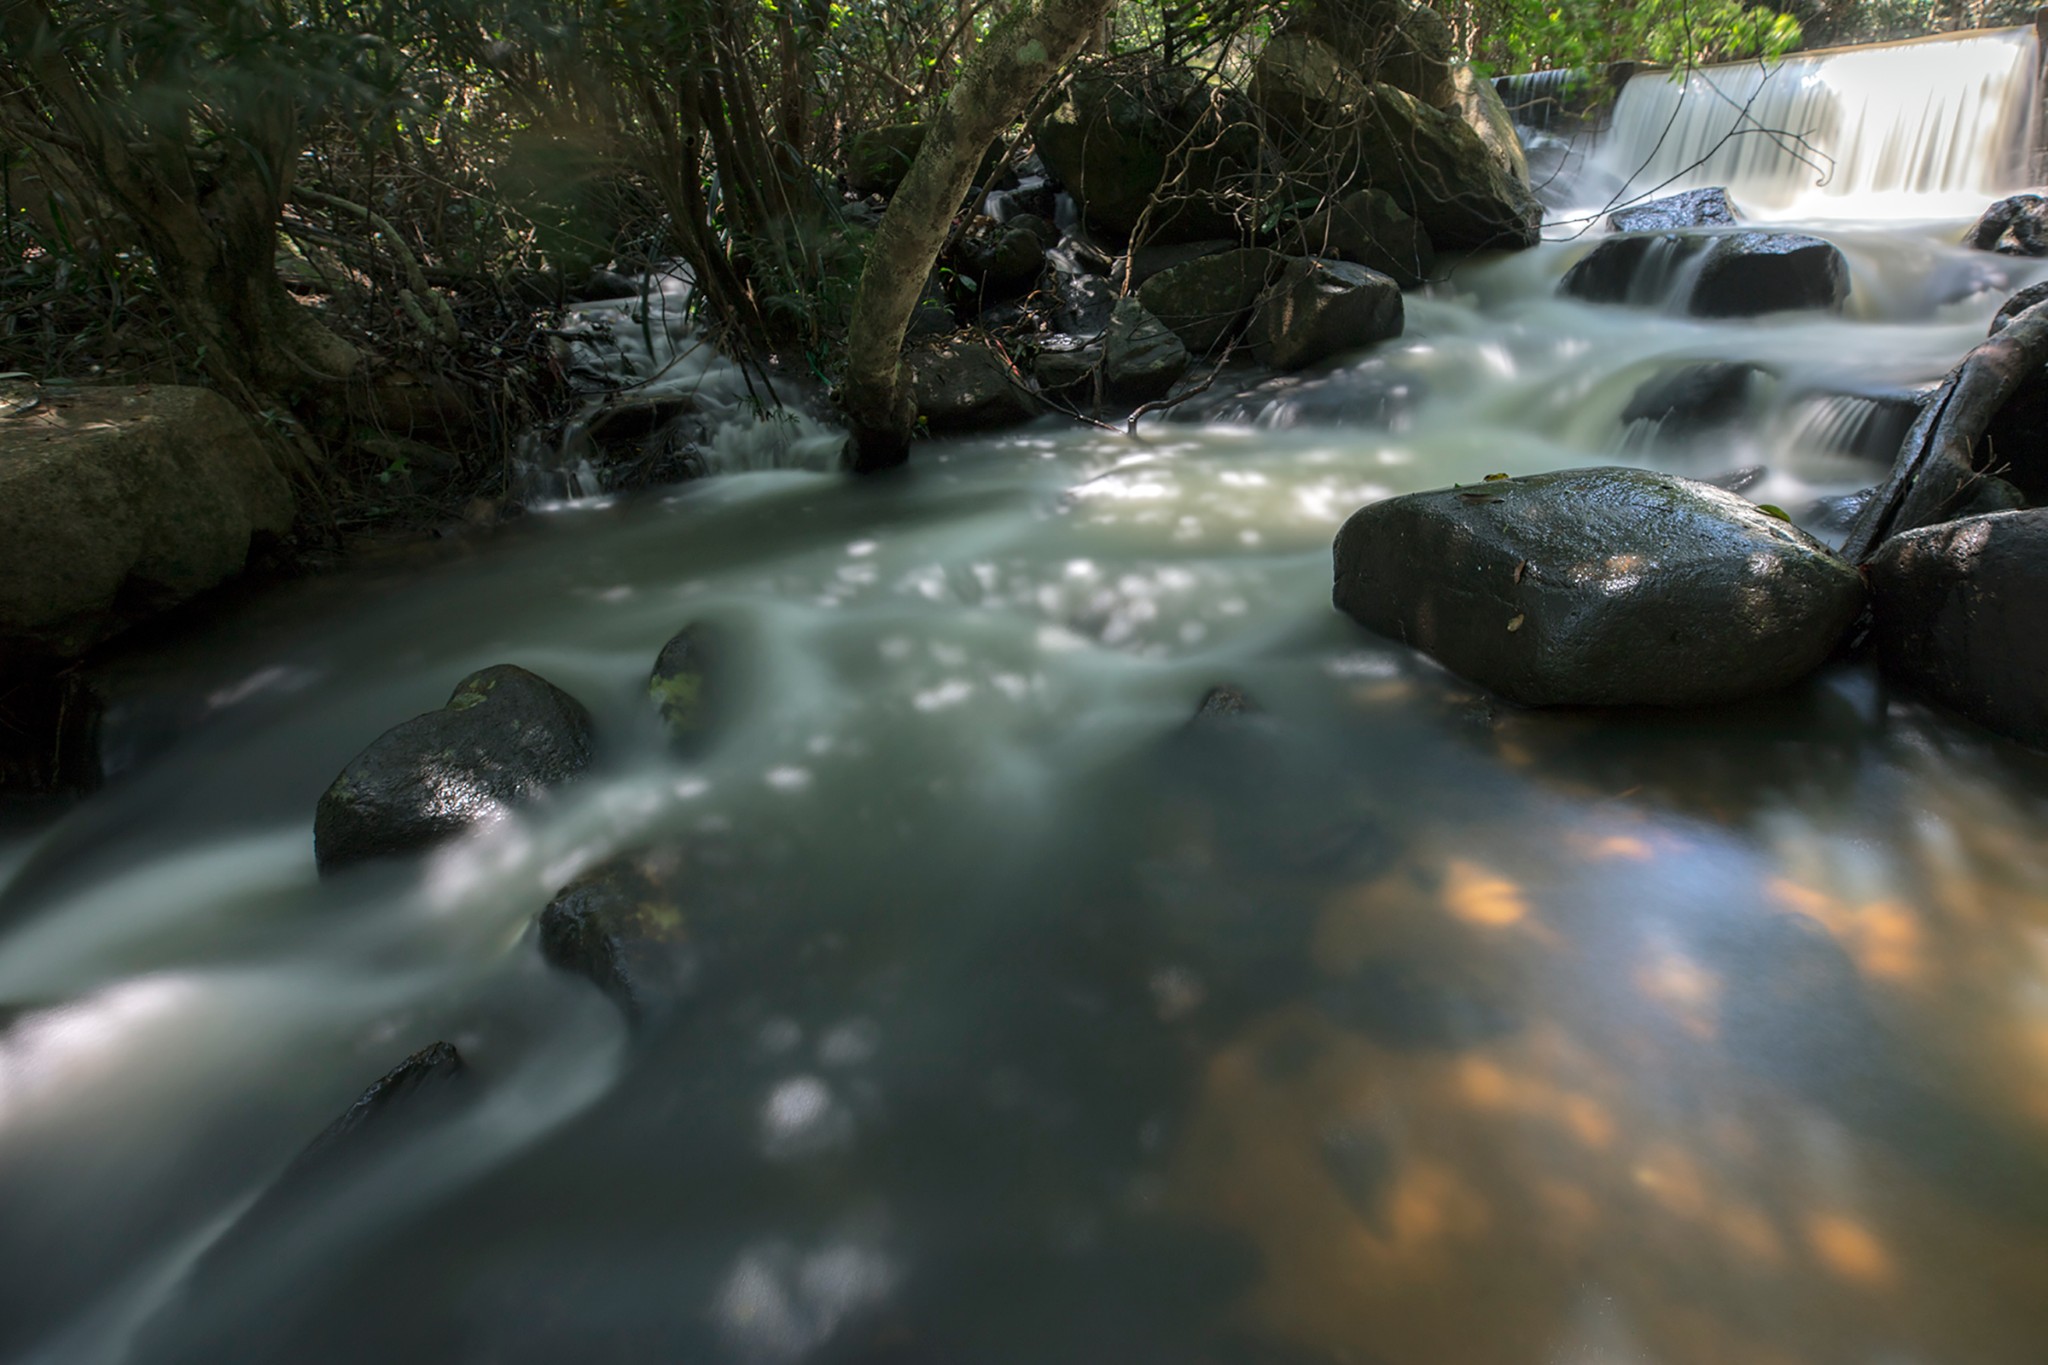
[(1914, 129), (1394, 1024)]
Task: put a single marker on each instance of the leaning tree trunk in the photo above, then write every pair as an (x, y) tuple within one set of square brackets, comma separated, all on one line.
[(1024, 51)]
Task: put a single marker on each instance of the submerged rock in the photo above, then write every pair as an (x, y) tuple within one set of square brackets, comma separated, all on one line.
[(1611, 587), (1223, 704), (1957, 612), (1368, 228), (1319, 308), (1694, 399), (1141, 357), (961, 384), (647, 927), (1205, 302), (505, 736), (2017, 226), (1694, 208), (689, 686), (1747, 274)]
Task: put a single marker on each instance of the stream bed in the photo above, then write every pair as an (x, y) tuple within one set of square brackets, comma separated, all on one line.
[(1388, 1024)]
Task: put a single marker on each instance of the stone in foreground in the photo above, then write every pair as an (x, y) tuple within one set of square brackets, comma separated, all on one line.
[(1141, 357), (1320, 308), (505, 736), (1957, 609), (1598, 587)]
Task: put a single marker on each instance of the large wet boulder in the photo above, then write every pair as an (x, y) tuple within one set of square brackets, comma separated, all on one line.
[(1486, 113), (1141, 357), (119, 503), (964, 384), (2017, 226), (1112, 140), (1598, 587), (1405, 45), (1319, 309), (1368, 228), (505, 737), (1345, 132), (1439, 170), (1743, 274), (1692, 209), (1747, 274), (1206, 301), (1957, 609)]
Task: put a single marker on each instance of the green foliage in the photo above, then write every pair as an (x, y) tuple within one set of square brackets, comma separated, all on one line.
[(1524, 35)]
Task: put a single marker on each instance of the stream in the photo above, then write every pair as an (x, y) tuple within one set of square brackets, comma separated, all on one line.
[(1389, 1025)]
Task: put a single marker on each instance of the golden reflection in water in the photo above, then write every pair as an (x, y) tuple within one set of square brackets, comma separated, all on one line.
[(1611, 1182)]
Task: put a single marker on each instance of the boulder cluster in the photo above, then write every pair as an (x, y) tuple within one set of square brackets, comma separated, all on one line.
[(1278, 221), (1622, 587)]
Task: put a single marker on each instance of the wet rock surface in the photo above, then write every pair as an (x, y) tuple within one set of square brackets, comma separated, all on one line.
[(649, 928), (1368, 228), (1206, 302), (1747, 274), (1610, 587), (505, 736), (1694, 399), (962, 384), (1320, 308), (1957, 615), (1141, 357), (2017, 226), (1694, 208), (690, 686), (1743, 274)]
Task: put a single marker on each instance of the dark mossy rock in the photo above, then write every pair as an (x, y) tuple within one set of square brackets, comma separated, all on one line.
[(649, 927), (505, 736), (1155, 258), (1747, 274), (1694, 399), (1744, 274), (691, 685), (1110, 142), (1064, 361), (1440, 170), (877, 159), (1368, 228), (1958, 610), (1598, 587), (1141, 357), (1406, 45), (1319, 309), (2017, 226), (1628, 268), (2017, 304), (964, 384), (1002, 259), (1692, 209), (1222, 704), (1207, 301)]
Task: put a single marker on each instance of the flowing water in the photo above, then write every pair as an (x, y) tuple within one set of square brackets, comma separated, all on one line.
[(1389, 1025)]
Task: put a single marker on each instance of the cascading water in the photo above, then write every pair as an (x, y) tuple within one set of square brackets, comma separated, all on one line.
[(642, 363), (1393, 1024), (1929, 128)]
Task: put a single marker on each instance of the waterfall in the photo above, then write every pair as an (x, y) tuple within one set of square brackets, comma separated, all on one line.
[(1947, 120)]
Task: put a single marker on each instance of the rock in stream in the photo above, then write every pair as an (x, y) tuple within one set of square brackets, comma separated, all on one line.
[(1607, 587), (505, 736)]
